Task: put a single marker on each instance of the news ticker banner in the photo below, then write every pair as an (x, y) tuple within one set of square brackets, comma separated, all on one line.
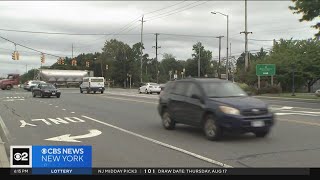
[(166, 171), (77, 160), (52, 159)]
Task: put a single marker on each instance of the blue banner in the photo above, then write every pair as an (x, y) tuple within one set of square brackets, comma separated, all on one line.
[(61, 159)]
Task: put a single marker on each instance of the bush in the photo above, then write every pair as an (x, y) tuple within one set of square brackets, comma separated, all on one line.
[(248, 89), (270, 89)]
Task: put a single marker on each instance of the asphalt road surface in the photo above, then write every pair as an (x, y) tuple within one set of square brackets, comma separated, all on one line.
[(125, 130)]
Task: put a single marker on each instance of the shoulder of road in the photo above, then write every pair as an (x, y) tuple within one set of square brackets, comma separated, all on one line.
[(4, 162)]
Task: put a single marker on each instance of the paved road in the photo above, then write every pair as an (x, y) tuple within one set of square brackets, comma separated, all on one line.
[(132, 135)]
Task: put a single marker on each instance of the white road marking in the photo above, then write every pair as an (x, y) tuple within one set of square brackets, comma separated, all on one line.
[(68, 138), (4, 128), (63, 109), (72, 112), (50, 104), (55, 121), (56, 106), (163, 144)]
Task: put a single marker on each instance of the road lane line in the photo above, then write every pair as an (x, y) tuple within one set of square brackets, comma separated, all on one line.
[(56, 106), (72, 112), (300, 122), (163, 144), (63, 109), (125, 99), (4, 129), (50, 104)]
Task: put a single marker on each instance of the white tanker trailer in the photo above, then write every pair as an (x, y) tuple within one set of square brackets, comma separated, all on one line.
[(63, 77)]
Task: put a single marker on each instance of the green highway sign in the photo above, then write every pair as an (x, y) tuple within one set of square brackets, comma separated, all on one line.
[(265, 69)]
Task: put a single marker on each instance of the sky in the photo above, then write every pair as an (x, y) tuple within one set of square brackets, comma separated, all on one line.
[(267, 20)]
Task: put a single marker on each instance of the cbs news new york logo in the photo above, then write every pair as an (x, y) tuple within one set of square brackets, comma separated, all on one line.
[(21, 156)]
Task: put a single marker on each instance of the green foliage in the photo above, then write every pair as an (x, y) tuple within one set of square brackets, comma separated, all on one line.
[(302, 56), (270, 90), (310, 9)]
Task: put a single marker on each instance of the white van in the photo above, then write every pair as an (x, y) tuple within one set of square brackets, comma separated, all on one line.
[(92, 84)]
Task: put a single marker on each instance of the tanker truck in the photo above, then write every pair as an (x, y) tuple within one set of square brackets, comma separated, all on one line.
[(63, 78)]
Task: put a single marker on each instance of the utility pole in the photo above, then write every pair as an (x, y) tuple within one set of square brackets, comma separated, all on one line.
[(219, 73), (141, 49), (199, 60), (72, 51), (246, 62), (156, 47), (227, 64)]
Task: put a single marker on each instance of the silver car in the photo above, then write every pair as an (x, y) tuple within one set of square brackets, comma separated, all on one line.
[(317, 93), (150, 88), (29, 85)]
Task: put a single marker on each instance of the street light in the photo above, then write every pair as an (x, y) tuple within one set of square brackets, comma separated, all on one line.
[(227, 64)]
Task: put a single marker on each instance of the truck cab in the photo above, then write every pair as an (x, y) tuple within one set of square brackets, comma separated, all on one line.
[(11, 81), (93, 84)]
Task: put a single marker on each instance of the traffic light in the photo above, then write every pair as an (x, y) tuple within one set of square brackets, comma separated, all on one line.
[(15, 55), (74, 62), (42, 58)]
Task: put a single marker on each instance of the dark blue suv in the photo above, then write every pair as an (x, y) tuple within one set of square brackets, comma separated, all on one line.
[(215, 105)]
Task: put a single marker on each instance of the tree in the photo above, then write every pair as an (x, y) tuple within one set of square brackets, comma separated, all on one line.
[(205, 61), (310, 10)]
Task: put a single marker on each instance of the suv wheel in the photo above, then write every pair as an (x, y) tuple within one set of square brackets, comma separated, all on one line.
[(212, 131), (167, 122), (33, 94)]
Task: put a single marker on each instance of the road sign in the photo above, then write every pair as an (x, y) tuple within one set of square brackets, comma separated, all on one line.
[(265, 69), (175, 76)]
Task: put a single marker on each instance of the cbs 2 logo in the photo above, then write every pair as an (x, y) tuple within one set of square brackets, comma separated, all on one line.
[(21, 156)]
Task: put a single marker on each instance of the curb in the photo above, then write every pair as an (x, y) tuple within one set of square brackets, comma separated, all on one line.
[(4, 145), (4, 161)]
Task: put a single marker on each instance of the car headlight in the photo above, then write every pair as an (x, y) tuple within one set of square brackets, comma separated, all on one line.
[(229, 110), (46, 91)]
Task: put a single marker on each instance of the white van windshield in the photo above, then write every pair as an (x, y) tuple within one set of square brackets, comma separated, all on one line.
[(96, 80)]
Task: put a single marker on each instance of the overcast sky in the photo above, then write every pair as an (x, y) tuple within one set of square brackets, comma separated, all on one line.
[(266, 19)]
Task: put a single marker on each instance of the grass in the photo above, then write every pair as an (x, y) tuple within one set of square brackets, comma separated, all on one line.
[(297, 95)]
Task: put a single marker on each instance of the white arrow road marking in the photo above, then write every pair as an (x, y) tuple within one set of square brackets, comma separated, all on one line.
[(68, 138)]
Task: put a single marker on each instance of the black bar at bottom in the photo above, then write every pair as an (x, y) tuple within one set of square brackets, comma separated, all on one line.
[(182, 171)]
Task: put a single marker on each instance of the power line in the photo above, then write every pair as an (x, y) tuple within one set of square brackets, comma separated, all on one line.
[(173, 10), (164, 8), (178, 11), (29, 47)]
